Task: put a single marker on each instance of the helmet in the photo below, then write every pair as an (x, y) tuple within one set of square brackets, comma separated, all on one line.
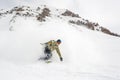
[(59, 41)]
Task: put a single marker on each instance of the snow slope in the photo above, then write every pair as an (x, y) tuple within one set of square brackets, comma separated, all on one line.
[(106, 12), (87, 55)]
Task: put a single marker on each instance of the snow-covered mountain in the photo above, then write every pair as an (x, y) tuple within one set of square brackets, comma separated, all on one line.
[(87, 52), (43, 12)]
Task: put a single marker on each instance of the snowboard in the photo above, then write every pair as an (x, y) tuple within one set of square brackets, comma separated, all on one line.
[(46, 61)]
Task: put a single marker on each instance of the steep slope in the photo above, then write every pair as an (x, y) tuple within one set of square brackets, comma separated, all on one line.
[(43, 13), (87, 54)]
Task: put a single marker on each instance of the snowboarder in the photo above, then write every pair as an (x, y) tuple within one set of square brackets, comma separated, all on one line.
[(51, 46)]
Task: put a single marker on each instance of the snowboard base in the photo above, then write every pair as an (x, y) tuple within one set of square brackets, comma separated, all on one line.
[(48, 61)]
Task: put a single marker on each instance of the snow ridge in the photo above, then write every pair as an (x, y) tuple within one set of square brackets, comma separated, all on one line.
[(44, 13)]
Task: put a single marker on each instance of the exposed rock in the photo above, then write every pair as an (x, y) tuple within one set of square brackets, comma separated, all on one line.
[(105, 30), (90, 25), (41, 17), (69, 13)]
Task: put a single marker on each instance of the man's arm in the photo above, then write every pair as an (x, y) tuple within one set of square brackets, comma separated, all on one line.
[(59, 54), (45, 43)]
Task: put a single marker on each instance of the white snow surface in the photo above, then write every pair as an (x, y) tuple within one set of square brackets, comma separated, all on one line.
[(87, 54), (105, 12)]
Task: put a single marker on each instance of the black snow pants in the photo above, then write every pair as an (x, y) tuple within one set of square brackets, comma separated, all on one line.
[(48, 53)]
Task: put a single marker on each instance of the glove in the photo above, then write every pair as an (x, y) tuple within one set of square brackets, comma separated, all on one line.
[(61, 59)]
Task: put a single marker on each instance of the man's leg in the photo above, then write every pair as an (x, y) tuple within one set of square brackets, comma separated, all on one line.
[(48, 53), (48, 56)]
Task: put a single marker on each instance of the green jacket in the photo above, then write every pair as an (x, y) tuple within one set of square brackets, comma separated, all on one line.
[(52, 45)]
